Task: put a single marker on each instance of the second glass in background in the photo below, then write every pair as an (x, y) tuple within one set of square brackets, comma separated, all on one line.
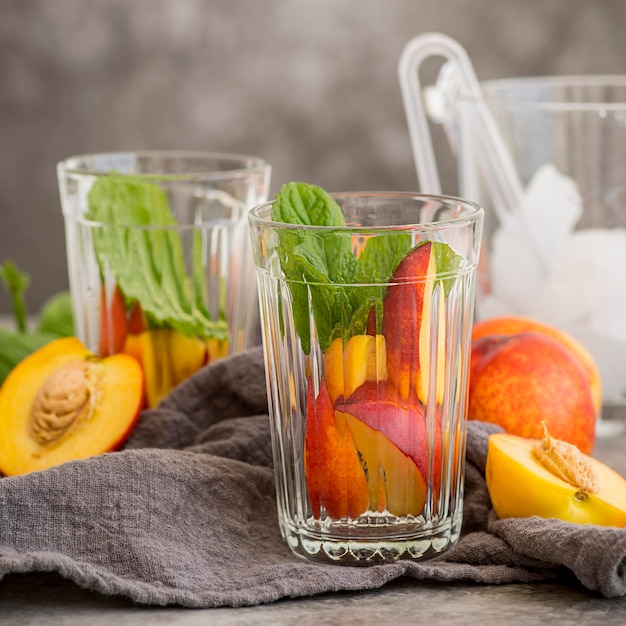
[(159, 257)]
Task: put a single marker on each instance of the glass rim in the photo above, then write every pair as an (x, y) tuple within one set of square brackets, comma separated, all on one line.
[(248, 164), (474, 214), (501, 86)]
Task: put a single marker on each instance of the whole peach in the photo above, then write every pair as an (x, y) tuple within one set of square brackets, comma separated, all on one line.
[(520, 381), (515, 324)]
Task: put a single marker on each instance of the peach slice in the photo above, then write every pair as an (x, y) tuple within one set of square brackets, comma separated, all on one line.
[(514, 325), (334, 476), (521, 485), (217, 349), (407, 325), (137, 321), (63, 403), (402, 421), (167, 357), (346, 367), (394, 481), (113, 324), (520, 381), (425, 346)]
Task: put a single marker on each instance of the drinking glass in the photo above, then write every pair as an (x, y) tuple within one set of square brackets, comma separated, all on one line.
[(366, 333), (159, 257)]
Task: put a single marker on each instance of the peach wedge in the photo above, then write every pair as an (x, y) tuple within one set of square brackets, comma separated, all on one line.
[(394, 481), (167, 357), (410, 299), (347, 367), (334, 476)]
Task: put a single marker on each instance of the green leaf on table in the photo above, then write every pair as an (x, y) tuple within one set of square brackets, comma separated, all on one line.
[(16, 282), (55, 316), (17, 346), (55, 320)]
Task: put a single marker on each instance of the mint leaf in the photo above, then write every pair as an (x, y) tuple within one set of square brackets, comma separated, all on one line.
[(315, 264), (324, 276), (380, 257), (322, 295), (299, 203), (448, 263), (374, 269), (307, 277), (146, 257), (339, 258)]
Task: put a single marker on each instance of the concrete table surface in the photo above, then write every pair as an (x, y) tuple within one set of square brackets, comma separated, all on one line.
[(44, 599)]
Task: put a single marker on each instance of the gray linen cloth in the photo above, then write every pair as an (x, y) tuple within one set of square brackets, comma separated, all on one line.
[(186, 515)]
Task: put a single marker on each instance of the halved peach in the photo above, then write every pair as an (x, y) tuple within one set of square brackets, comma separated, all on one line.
[(63, 403), (521, 484)]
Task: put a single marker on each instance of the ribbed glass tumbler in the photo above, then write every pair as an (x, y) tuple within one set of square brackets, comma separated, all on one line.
[(159, 257), (366, 331)]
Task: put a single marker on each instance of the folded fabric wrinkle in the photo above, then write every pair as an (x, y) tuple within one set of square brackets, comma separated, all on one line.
[(186, 515)]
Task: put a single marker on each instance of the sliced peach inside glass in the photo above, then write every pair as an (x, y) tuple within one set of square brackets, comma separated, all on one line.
[(167, 357), (407, 325), (394, 481), (347, 367), (334, 475)]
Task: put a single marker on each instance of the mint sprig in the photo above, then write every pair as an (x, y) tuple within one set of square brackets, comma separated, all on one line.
[(326, 278), (143, 251), (54, 320), (321, 269)]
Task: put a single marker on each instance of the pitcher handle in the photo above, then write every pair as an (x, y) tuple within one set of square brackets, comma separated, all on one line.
[(502, 176), (414, 54)]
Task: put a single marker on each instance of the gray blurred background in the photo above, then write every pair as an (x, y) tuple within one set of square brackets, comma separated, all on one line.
[(310, 85)]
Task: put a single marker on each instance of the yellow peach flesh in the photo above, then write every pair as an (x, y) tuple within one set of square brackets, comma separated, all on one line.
[(167, 357), (394, 482), (520, 486), (422, 382), (118, 392), (347, 367)]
